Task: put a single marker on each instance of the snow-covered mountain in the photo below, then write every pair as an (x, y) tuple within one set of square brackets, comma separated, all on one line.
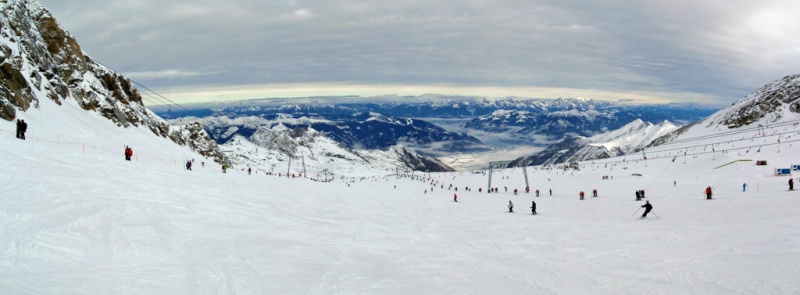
[(631, 138), (774, 105), (277, 148), (563, 118), (40, 61), (554, 123), (359, 131), (499, 123)]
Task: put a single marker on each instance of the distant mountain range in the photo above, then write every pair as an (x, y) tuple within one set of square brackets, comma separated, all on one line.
[(631, 138), (379, 125), (274, 148), (361, 131)]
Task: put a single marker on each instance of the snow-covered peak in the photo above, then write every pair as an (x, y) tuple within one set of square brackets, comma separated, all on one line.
[(775, 102), (633, 136)]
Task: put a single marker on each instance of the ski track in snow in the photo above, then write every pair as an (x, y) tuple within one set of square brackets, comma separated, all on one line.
[(91, 223)]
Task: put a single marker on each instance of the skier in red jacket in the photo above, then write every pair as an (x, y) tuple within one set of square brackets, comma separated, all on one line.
[(128, 153)]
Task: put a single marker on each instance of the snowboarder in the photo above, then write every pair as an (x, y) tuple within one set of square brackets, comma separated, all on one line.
[(791, 181), (533, 207), (455, 198), (708, 193), (647, 207), (128, 153), (510, 207)]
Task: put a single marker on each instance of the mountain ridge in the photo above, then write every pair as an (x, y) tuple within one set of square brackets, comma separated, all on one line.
[(39, 60)]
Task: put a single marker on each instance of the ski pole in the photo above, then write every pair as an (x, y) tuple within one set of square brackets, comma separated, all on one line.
[(656, 215), (637, 211)]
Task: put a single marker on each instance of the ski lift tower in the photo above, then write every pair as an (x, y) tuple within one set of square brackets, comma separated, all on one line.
[(527, 185), (289, 166), (492, 166)]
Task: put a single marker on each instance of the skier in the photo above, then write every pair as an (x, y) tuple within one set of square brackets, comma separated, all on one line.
[(638, 196), (537, 192), (19, 129), (551, 190), (128, 153), (791, 181), (455, 198), (647, 207), (249, 170), (189, 165), (594, 193), (510, 207), (224, 168), (581, 195), (23, 128), (533, 207), (744, 187), (708, 193)]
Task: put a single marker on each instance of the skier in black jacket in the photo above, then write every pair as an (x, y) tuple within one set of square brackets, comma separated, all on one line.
[(533, 207), (647, 207)]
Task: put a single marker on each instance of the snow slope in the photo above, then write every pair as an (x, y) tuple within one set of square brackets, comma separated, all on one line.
[(78, 219)]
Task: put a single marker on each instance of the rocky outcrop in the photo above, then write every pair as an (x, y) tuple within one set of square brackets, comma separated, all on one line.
[(767, 101)]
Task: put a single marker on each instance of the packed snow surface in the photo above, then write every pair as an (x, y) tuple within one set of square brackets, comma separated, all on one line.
[(76, 218)]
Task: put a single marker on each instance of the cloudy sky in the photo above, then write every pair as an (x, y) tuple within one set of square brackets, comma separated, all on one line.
[(712, 51)]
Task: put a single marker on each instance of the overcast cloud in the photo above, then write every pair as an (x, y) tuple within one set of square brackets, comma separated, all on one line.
[(711, 51)]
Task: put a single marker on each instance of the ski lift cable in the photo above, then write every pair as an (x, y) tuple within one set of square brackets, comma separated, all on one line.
[(659, 175), (170, 102), (703, 144), (159, 95), (151, 97), (733, 132)]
